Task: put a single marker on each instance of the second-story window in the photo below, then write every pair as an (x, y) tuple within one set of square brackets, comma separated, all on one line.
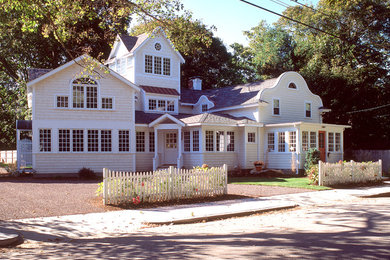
[(157, 65), (167, 67), (204, 108), (276, 107), (148, 64), (85, 93), (308, 109)]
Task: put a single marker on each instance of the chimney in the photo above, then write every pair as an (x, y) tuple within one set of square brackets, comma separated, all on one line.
[(195, 83)]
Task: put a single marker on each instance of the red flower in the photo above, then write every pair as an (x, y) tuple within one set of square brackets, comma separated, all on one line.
[(196, 189), (142, 184)]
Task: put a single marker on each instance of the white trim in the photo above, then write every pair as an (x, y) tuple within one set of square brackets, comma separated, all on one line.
[(82, 58), (294, 124), (166, 116)]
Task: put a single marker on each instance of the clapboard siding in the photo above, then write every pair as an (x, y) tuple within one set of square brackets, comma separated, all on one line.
[(142, 78), (192, 159), (292, 101), (47, 163), (279, 160), (144, 161), (60, 84), (218, 159)]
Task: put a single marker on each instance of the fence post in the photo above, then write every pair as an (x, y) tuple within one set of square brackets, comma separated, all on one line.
[(380, 168), (225, 173), (352, 169), (104, 186), (320, 179), (171, 170)]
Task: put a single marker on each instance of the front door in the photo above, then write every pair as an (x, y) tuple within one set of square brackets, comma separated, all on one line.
[(170, 151), (322, 145)]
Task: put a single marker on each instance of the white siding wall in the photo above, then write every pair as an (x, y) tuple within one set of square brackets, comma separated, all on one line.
[(144, 161), (218, 159), (142, 78), (292, 101), (52, 163), (192, 159)]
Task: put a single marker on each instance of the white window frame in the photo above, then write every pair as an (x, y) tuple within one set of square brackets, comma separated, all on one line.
[(311, 109), (219, 141), (331, 142), (96, 139), (204, 108), (209, 141), (251, 137), (108, 148), (271, 141), (67, 142), (292, 141), (78, 148), (56, 101), (283, 143), (140, 143), (291, 82), (305, 143), (152, 146), (311, 143), (112, 100), (123, 140), (166, 66), (186, 141), (230, 141), (85, 98), (159, 65), (273, 107), (45, 144), (337, 143), (195, 142)]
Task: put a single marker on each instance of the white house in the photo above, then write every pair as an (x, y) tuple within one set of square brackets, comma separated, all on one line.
[(133, 116)]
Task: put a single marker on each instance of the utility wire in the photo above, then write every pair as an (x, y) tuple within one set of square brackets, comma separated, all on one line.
[(291, 19), (367, 109), (280, 3)]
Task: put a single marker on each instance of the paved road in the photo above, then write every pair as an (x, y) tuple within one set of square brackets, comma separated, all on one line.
[(351, 229)]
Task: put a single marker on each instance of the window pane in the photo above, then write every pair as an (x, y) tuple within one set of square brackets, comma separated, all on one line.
[(308, 109), (195, 141), (305, 140), (151, 142), (276, 107), (45, 140), (161, 105), (78, 140), (62, 101), (171, 106), (251, 137), (204, 108), (152, 104), (124, 140), (292, 146), (140, 141), (93, 140), (187, 141), (106, 103), (330, 142), (271, 142), (281, 142), (157, 65), (220, 136), (92, 101), (167, 67), (64, 140), (105, 137), (78, 96), (209, 141), (230, 141), (338, 142), (313, 140), (148, 64)]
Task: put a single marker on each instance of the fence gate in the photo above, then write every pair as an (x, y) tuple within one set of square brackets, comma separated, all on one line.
[(24, 153)]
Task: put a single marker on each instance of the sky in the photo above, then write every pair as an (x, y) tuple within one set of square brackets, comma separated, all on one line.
[(232, 17)]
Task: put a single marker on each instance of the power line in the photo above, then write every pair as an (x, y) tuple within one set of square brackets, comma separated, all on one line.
[(367, 109), (291, 19), (280, 3)]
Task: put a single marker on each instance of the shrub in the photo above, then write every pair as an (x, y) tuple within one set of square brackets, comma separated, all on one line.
[(312, 174), (312, 158), (86, 174)]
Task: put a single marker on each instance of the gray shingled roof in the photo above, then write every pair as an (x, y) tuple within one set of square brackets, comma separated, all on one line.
[(209, 118), (228, 96), (132, 42), (33, 73)]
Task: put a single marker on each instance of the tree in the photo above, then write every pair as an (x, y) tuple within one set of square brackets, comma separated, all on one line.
[(347, 67)]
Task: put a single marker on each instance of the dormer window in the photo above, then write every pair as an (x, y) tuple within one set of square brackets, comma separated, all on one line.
[(276, 107), (292, 86), (204, 108), (308, 109), (161, 105)]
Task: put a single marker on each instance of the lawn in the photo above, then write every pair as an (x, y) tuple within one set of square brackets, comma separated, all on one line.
[(301, 182)]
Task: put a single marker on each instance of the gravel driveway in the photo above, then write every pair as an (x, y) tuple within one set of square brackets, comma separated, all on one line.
[(28, 197)]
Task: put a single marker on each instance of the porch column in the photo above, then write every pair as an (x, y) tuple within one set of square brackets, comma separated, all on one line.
[(179, 153), (156, 160)]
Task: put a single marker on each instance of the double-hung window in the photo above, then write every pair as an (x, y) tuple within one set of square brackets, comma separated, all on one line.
[(151, 142), (62, 101), (230, 141), (281, 142), (305, 140), (195, 141), (330, 142), (107, 103), (157, 65), (313, 139), (209, 141), (93, 140), (167, 66), (337, 142), (140, 141), (63, 140), (148, 64), (271, 142), (292, 144), (105, 139), (124, 140), (276, 107), (187, 141), (307, 109), (78, 140), (45, 140), (251, 137), (220, 139)]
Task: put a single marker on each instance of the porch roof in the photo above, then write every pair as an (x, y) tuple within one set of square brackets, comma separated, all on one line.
[(190, 119)]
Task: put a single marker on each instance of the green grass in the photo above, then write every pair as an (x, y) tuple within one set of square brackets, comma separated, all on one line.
[(3, 165), (302, 182)]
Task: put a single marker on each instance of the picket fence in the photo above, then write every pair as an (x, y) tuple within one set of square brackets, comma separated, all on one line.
[(9, 156), (348, 172), (163, 185)]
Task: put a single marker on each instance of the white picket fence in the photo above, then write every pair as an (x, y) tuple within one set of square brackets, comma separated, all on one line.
[(350, 172), (9, 156), (163, 185)]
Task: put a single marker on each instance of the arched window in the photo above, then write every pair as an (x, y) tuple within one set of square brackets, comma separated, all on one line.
[(84, 93), (292, 86)]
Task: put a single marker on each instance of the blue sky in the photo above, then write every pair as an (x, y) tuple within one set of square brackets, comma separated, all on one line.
[(232, 17)]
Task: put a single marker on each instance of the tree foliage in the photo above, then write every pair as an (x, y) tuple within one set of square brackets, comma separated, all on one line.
[(348, 69)]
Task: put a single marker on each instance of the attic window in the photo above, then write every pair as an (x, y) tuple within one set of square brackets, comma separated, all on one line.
[(204, 108), (292, 86), (157, 46)]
